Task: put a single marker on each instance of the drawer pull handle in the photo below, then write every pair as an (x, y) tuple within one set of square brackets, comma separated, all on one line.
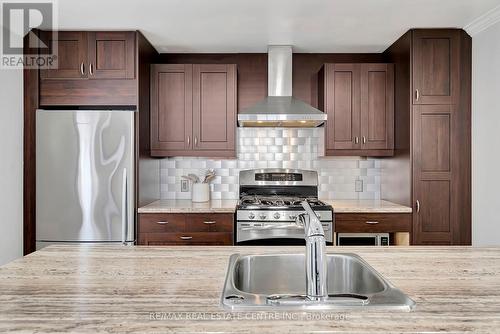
[(162, 223), (186, 238), (372, 223), (209, 222)]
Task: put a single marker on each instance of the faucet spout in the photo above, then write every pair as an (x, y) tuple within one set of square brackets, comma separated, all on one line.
[(316, 264)]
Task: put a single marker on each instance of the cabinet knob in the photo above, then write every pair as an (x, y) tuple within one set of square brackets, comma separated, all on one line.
[(91, 69), (189, 140), (372, 223), (356, 140), (195, 141), (162, 223), (82, 68), (364, 140), (418, 206), (417, 94), (186, 237)]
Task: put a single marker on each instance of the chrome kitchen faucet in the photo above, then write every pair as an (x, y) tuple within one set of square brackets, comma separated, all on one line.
[(316, 264)]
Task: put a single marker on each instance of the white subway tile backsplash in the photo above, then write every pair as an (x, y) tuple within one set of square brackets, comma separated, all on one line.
[(276, 148)]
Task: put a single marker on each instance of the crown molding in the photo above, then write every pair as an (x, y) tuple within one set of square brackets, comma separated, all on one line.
[(483, 22)]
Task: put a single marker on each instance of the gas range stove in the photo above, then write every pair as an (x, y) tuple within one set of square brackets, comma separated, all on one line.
[(256, 202), (270, 201)]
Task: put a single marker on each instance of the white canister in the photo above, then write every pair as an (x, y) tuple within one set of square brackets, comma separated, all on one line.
[(201, 192)]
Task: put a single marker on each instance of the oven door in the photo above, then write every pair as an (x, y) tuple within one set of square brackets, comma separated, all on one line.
[(275, 233)]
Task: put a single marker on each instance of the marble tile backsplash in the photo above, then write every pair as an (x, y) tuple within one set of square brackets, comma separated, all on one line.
[(277, 148)]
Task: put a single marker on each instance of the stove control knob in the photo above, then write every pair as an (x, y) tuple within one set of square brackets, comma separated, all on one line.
[(292, 217), (277, 215), (251, 215), (262, 216)]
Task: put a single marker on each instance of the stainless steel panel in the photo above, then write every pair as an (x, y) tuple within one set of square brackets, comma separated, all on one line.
[(279, 67), (261, 230), (85, 176), (352, 284), (278, 216), (309, 177)]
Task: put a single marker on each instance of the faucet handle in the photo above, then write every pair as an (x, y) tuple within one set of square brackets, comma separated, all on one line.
[(301, 219)]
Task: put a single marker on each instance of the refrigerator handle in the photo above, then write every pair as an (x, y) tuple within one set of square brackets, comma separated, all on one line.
[(124, 208)]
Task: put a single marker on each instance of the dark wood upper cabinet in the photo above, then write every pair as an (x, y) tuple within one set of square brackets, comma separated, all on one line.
[(342, 105), (193, 110), (72, 57), (435, 66), (377, 106), (111, 55), (359, 101), (171, 107), (93, 68), (214, 107)]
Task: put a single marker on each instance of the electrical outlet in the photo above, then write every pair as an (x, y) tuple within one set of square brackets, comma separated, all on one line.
[(184, 186), (358, 186)]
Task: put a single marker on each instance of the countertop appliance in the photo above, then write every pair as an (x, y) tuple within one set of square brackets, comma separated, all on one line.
[(362, 239), (85, 176), (270, 203), (280, 108)]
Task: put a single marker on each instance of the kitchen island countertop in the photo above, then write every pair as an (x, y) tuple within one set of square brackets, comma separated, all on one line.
[(177, 289)]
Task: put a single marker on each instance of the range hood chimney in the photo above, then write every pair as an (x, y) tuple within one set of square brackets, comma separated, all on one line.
[(280, 109)]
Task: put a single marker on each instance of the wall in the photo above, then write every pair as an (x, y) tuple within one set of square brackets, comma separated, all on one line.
[(277, 148), (485, 139), (11, 166)]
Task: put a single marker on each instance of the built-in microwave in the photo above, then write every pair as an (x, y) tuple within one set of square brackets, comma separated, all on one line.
[(362, 239)]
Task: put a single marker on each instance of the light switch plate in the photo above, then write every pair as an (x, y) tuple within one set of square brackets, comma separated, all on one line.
[(358, 187), (184, 186)]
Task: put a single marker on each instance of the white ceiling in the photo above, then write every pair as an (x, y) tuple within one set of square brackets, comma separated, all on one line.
[(250, 25)]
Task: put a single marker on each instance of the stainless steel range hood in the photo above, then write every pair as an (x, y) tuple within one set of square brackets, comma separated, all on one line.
[(280, 109)]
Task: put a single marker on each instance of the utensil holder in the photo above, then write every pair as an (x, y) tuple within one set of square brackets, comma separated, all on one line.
[(201, 192)]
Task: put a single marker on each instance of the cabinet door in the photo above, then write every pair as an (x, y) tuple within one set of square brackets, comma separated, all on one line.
[(435, 155), (435, 66), (71, 55), (214, 107), (171, 108), (342, 106), (377, 106), (111, 55)]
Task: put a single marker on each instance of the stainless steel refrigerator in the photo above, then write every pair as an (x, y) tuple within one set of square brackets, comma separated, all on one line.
[(85, 176)]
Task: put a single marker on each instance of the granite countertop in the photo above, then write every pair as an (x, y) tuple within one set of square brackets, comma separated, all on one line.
[(366, 206), (106, 288), (187, 206), (229, 206)]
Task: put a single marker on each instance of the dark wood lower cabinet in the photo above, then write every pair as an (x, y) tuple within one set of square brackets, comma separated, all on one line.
[(186, 229), (372, 222)]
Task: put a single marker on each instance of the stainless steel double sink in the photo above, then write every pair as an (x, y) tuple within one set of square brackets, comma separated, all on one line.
[(278, 282)]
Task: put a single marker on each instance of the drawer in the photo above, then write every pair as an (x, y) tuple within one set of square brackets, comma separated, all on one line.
[(373, 222), (210, 222), (190, 238), (161, 222)]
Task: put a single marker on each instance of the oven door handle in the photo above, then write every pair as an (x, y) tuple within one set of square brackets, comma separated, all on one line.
[(272, 227)]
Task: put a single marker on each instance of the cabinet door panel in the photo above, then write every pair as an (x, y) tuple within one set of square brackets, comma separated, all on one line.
[(433, 184), (171, 107), (342, 106), (377, 106), (214, 107), (111, 55), (71, 55), (435, 66)]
